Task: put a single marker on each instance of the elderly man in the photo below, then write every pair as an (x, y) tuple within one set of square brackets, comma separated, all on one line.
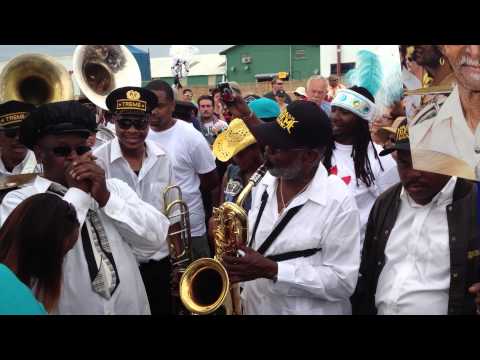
[(333, 86), (449, 143), (295, 265), (317, 88)]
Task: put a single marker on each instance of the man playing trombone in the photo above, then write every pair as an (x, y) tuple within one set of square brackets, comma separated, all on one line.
[(147, 169)]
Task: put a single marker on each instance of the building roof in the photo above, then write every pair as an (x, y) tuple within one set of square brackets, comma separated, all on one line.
[(205, 64), (227, 49)]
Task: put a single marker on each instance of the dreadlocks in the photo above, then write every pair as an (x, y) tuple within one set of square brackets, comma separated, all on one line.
[(361, 143)]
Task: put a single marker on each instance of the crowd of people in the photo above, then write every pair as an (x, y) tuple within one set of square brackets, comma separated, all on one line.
[(342, 223)]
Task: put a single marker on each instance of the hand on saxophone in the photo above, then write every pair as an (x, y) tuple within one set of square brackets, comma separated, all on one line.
[(249, 267)]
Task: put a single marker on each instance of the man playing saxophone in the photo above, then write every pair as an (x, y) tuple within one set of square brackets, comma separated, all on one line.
[(303, 252)]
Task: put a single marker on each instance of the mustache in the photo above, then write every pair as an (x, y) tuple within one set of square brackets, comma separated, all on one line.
[(467, 60)]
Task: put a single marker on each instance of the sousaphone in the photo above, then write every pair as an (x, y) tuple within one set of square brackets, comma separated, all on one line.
[(36, 79), (100, 69)]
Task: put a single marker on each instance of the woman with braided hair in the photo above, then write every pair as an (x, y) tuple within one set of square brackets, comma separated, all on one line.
[(353, 156)]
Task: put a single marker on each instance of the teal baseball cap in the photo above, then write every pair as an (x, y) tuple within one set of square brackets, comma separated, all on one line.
[(265, 109)]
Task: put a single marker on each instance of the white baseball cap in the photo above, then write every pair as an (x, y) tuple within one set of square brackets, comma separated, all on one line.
[(300, 91)]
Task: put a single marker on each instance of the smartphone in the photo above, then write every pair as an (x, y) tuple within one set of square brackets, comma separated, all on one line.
[(226, 92)]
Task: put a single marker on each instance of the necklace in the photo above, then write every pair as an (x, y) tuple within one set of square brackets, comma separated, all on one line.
[(298, 193)]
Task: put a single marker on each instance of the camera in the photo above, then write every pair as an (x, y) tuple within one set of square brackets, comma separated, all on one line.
[(227, 94)]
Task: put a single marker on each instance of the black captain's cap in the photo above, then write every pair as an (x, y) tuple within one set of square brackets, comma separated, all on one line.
[(55, 119), (131, 100), (13, 112)]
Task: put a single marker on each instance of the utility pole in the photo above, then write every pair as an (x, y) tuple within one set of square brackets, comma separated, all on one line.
[(339, 60)]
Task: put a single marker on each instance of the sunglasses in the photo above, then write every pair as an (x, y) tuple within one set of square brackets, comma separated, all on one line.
[(66, 150), (138, 124), (11, 132)]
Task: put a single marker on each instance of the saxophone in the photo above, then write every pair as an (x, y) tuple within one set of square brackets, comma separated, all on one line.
[(205, 286)]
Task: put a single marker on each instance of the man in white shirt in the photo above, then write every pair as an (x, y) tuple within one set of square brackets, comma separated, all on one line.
[(353, 156), (422, 249), (450, 142), (15, 158), (304, 247), (101, 273), (192, 159), (146, 168)]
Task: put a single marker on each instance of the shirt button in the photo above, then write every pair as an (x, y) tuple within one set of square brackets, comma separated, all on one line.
[(379, 263), (386, 232), (455, 275), (453, 238), (449, 207)]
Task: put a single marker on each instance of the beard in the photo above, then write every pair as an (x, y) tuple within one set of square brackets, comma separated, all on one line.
[(287, 173)]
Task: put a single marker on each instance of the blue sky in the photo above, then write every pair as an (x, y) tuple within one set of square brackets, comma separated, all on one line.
[(9, 51)]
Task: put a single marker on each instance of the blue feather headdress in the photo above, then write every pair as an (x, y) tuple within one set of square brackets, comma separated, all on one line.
[(379, 73)]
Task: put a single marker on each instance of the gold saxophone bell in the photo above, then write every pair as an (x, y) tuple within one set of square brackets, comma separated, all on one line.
[(205, 286), (36, 79), (100, 69)]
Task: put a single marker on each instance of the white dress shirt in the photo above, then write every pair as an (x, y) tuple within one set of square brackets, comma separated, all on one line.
[(28, 165), (155, 175), (446, 134), (190, 155), (365, 196), (134, 229), (318, 284), (416, 275)]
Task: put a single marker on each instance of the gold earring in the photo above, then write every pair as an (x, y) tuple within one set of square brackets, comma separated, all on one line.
[(442, 61)]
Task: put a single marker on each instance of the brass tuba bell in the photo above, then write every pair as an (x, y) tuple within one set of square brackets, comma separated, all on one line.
[(36, 79), (100, 69)]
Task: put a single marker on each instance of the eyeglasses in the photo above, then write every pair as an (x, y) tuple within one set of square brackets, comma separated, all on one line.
[(66, 150), (11, 132), (138, 124)]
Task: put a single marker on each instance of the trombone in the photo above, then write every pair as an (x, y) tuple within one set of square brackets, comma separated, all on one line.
[(179, 240)]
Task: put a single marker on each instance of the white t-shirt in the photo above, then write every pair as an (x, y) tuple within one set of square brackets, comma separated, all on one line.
[(364, 196), (190, 155), (215, 127)]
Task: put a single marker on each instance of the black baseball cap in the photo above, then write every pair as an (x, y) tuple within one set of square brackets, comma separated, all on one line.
[(55, 119), (402, 140), (301, 124)]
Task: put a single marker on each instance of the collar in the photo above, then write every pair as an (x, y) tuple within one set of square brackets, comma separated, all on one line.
[(316, 191), (151, 148), (452, 107), (41, 184), (21, 165), (445, 196)]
